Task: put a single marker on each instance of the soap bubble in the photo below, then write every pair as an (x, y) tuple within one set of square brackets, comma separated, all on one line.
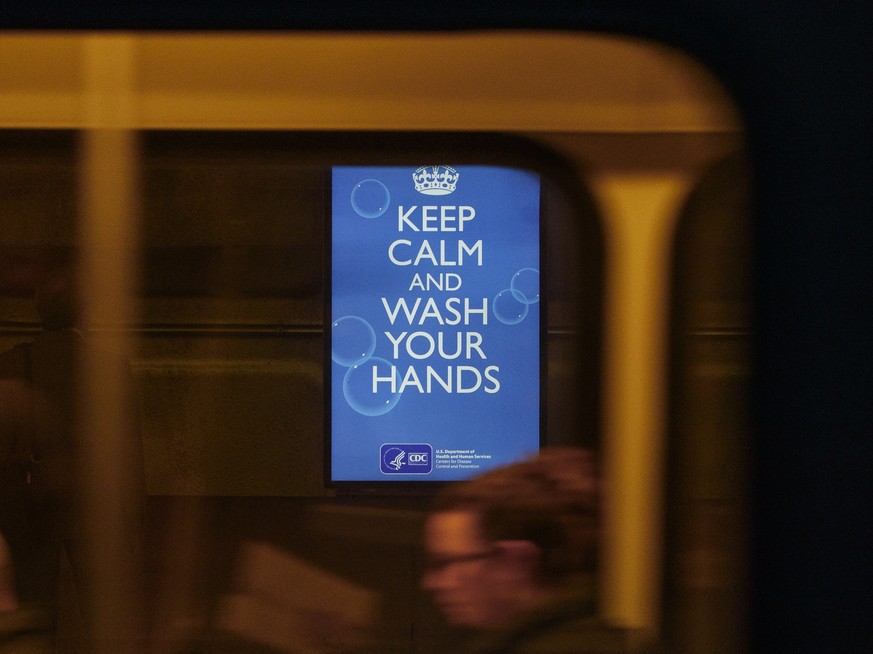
[(525, 285), (507, 308), (353, 340), (370, 198), (358, 387)]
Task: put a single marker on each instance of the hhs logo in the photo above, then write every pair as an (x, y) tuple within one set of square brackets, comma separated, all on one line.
[(406, 458)]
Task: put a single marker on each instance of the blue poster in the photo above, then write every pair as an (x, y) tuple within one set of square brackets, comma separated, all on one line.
[(435, 321)]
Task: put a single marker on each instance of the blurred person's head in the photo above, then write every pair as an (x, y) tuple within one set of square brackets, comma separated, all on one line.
[(509, 541)]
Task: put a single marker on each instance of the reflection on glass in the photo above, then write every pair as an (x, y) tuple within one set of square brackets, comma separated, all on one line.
[(241, 544)]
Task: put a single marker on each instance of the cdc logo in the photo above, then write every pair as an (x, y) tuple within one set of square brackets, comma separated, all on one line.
[(406, 458)]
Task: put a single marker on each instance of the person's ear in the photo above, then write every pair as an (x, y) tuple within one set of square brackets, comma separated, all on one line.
[(522, 557)]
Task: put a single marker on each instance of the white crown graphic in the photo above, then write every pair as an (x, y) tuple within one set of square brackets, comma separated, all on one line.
[(435, 180)]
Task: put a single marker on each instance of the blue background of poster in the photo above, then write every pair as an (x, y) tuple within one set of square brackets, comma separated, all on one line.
[(497, 427)]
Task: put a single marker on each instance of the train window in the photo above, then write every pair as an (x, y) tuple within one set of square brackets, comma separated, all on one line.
[(246, 269), (168, 212)]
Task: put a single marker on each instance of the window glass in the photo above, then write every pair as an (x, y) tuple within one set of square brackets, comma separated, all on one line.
[(166, 203)]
